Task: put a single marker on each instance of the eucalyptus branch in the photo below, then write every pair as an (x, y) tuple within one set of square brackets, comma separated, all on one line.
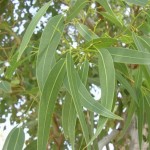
[(107, 139)]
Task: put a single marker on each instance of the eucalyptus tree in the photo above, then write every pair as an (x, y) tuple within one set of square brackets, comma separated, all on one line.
[(76, 74)]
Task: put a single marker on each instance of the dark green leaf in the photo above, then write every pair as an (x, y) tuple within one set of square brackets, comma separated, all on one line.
[(73, 87), (31, 27), (14, 140), (47, 49), (47, 102), (77, 7), (129, 56)]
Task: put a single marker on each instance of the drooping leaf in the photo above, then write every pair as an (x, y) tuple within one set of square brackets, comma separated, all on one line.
[(107, 82), (73, 87), (47, 102), (138, 2), (85, 32), (140, 109), (109, 13), (76, 8), (88, 101), (83, 72), (69, 119), (131, 111), (72, 123), (5, 86), (14, 140), (137, 42), (127, 85), (30, 29), (140, 117), (129, 56), (107, 78), (65, 114), (47, 49)]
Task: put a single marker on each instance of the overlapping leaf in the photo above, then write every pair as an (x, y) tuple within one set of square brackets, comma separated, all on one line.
[(109, 14), (138, 2), (73, 87), (86, 32), (5, 86), (31, 27), (77, 7), (107, 81), (129, 56), (14, 140), (47, 49), (47, 102)]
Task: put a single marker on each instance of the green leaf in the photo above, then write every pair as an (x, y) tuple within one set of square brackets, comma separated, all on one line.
[(47, 49), (107, 82), (112, 18), (131, 111), (83, 72), (77, 7), (129, 56), (73, 87), (88, 101), (65, 114), (138, 2), (72, 123), (47, 102), (107, 78), (85, 32), (69, 119), (100, 42), (127, 86), (137, 42), (5, 86), (32, 145), (109, 14), (147, 108), (140, 117), (30, 29), (14, 140)]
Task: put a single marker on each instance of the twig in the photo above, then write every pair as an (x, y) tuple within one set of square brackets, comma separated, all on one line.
[(107, 139)]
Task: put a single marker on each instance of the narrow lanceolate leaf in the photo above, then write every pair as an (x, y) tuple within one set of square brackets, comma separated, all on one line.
[(109, 13), (131, 111), (14, 140), (48, 44), (107, 82), (65, 114), (72, 123), (138, 42), (127, 85), (88, 101), (140, 116), (147, 108), (83, 72), (77, 7), (85, 32), (5, 86), (69, 119), (100, 43), (129, 56), (31, 27), (47, 102), (107, 78), (73, 87), (137, 2)]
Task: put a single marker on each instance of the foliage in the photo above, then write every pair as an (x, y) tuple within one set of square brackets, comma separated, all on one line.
[(50, 70)]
